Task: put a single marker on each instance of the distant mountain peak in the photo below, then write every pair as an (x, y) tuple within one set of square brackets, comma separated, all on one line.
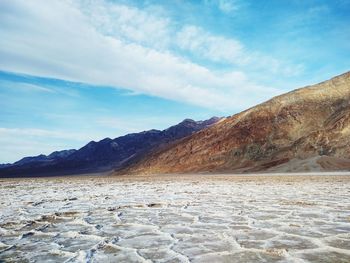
[(105, 154), (187, 120)]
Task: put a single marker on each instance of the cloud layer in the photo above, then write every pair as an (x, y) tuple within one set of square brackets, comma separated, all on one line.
[(116, 45)]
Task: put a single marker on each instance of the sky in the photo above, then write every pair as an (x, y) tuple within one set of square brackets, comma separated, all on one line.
[(72, 71)]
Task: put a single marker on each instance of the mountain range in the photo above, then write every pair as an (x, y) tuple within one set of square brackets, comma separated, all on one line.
[(105, 155), (307, 129)]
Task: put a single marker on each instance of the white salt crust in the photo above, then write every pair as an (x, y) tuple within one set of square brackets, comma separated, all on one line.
[(185, 219)]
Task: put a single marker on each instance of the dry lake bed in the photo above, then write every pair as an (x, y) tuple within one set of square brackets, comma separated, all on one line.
[(216, 218)]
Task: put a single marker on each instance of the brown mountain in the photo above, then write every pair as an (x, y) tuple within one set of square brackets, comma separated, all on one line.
[(306, 129)]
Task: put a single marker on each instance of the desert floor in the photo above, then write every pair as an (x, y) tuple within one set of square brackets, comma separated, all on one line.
[(192, 218)]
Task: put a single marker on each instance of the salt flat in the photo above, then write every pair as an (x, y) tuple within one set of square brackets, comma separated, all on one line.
[(207, 218)]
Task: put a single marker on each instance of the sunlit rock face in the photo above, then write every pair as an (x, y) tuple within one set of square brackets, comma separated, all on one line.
[(306, 123), (176, 219)]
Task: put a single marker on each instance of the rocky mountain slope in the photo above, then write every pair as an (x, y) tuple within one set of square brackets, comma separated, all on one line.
[(104, 155), (310, 122), (53, 157)]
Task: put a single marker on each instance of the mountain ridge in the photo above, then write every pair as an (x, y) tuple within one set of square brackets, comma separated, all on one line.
[(304, 123), (104, 155)]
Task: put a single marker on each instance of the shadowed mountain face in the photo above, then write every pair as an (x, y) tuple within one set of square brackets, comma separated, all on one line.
[(304, 124), (104, 155), (55, 156)]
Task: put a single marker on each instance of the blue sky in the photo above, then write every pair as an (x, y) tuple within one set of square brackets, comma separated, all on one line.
[(72, 71)]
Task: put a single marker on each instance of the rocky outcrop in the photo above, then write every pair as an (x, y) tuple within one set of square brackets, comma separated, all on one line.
[(305, 123)]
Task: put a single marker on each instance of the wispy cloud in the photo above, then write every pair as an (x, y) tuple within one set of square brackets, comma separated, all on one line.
[(221, 55), (17, 143), (22, 147), (43, 133), (147, 27), (226, 6), (122, 54), (212, 47), (31, 87)]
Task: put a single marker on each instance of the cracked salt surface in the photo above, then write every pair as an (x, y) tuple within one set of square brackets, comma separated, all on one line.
[(218, 218)]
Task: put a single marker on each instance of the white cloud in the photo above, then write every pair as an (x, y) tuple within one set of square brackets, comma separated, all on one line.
[(225, 6), (231, 51), (127, 22), (43, 133), (21, 147), (28, 87), (216, 48), (58, 40), (19, 142)]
